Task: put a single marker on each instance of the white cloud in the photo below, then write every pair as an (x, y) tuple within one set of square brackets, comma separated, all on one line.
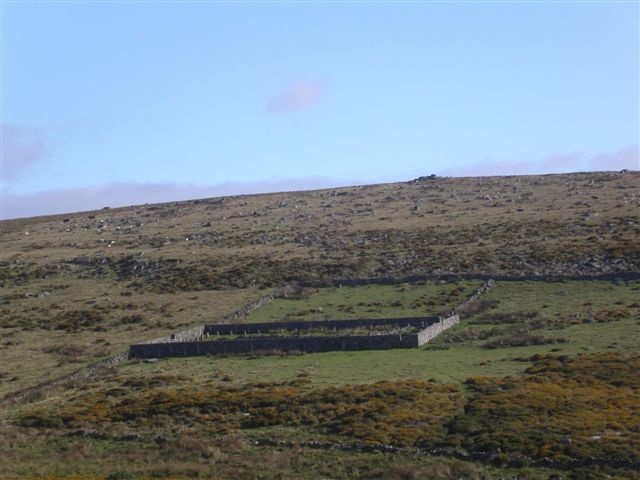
[(625, 158), (628, 158), (300, 95), (15, 205), (20, 148)]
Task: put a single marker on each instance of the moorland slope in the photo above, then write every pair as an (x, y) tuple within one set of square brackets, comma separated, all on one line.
[(541, 379)]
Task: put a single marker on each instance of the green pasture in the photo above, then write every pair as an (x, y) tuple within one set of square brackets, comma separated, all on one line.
[(367, 301)]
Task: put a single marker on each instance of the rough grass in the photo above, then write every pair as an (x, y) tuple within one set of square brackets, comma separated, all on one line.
[(404, 413), (553, 224), (565, 408), (232, 456), (32, 342), (570, 412)]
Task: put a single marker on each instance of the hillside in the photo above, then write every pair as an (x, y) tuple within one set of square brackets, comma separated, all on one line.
[(573, 224), (563, 321)]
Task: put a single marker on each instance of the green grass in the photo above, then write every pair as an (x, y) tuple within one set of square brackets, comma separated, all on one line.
[(454, 356), (455, 363), (368, 301), (585, 315), (564, 299), (345, 368)]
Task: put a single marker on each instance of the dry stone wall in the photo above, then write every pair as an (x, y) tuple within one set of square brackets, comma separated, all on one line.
[(197, 340), (187, 342), (450, 277), (429, 328), (63, 381), (250, 307), (463, 309), (431, 332), (267, 327), (189, 335), (308, 344), (197, 332)]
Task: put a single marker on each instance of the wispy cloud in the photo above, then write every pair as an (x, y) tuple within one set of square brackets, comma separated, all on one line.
[(300, 95), (628, 158), (625, 158), (15, 205), (20, 148)]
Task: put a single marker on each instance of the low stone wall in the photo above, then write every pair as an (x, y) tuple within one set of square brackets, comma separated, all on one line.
[(431, 332), (452, 277), (195, 333), (189, 342), (189, 335), (431, 327), (462, 310), (308, 344), (63, 381), (250, 307), (259, 328)]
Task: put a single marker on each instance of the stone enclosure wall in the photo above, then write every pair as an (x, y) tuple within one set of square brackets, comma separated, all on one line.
[(269, 337), (428, 328), (184, 342), (431, 332), (329, 325), (189, 335)]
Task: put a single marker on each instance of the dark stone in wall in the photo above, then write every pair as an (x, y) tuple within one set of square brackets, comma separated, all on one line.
[(310, 344), (249, 328)]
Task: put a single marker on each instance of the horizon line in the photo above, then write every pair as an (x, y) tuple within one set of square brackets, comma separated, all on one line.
[(340, 185)]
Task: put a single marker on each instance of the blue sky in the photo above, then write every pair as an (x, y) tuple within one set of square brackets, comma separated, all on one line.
[(116, 103)]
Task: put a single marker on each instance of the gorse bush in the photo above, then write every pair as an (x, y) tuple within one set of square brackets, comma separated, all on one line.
[(581, 409), (404, 413)]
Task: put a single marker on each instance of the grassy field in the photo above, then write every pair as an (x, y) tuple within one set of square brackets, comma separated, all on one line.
[(367, 301), (43, 337), (457, 354)]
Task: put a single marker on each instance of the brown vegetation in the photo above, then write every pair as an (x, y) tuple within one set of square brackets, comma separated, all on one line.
[(495, 225), (572, 411)]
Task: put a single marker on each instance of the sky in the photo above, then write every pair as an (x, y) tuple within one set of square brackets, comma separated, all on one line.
[(113, 103)]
